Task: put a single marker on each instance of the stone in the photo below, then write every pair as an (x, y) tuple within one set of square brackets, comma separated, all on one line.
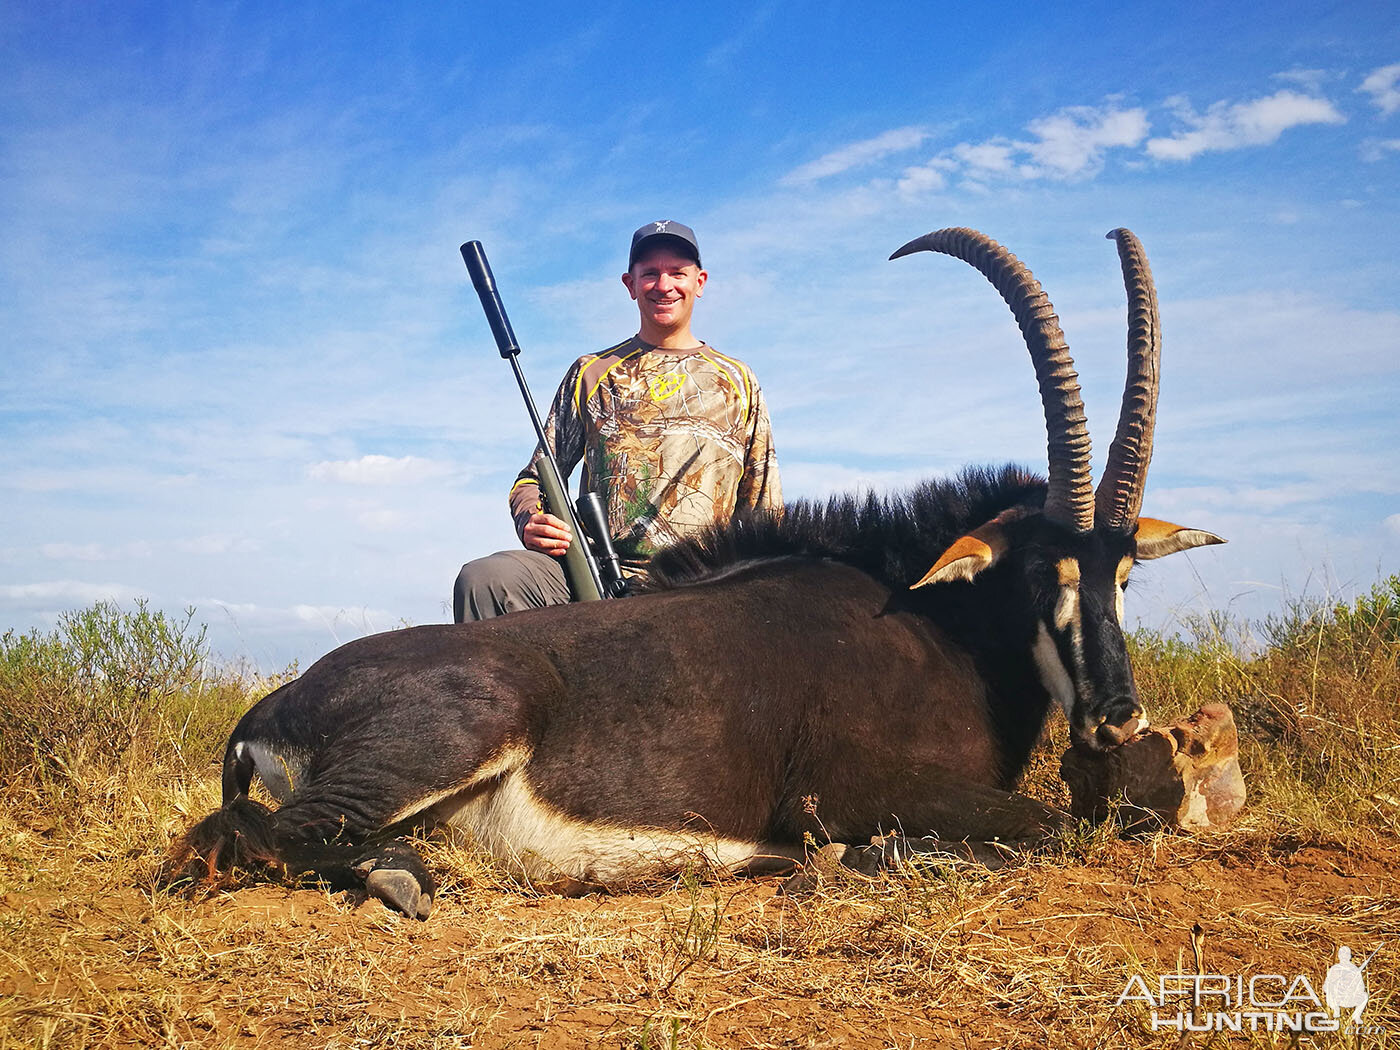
[(1185, 775)]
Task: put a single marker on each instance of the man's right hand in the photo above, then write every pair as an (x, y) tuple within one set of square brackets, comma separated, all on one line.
[(547, 534)]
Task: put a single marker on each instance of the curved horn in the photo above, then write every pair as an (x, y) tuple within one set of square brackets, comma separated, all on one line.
[(1119, 496), (1070, 501)]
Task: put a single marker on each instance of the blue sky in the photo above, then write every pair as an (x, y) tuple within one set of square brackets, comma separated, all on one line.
[(245, 371)]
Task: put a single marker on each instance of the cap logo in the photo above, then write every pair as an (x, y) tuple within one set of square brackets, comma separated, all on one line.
[(661, 226)]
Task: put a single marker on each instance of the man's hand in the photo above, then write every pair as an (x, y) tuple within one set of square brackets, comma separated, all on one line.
[(547, 534)]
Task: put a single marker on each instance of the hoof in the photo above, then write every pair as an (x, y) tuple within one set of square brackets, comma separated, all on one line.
[(399, 890)]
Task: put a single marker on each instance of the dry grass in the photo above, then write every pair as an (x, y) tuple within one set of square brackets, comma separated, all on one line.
[(1318, 709), (92, 954)]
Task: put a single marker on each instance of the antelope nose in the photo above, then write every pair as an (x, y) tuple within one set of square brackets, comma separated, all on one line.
[(1107, 736), (1121, 722)]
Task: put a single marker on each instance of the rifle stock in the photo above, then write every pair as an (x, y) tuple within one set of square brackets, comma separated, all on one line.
[(578, 566)]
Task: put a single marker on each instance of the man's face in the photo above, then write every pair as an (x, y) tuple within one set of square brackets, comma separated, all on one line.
[(665, 285)]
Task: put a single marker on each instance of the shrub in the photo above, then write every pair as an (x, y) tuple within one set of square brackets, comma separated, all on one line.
[(109, 688)]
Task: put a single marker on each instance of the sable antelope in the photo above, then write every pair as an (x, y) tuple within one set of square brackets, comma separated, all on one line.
[(895, 658)]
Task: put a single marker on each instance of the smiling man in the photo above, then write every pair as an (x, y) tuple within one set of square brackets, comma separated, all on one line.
[(673, 435)]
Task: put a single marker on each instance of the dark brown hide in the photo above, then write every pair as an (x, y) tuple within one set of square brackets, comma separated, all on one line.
[(695, 708)]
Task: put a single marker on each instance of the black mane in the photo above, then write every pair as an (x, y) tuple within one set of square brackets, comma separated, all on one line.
[(895, 538)]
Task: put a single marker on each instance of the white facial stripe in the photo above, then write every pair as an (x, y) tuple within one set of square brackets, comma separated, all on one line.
[(1125, 566), (1053, 674), (1067, 607)]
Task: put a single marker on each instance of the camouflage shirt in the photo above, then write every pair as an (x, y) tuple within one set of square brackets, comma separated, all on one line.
[(672, 440)]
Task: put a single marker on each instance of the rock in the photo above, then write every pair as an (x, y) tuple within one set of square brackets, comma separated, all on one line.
[(1184, 775)]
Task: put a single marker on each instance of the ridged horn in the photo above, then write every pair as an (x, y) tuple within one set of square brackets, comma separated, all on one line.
[(1119, 496), (1070, 500)]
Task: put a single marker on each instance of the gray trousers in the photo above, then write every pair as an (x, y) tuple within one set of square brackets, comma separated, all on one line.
[(508, 581)]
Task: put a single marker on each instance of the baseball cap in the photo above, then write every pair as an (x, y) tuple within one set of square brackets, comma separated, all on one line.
[(680, 236)]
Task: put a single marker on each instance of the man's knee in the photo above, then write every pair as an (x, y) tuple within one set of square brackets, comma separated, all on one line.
[(471, 585), (505, 582)]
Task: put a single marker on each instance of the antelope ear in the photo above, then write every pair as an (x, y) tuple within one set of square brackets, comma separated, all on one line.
[(968, 555), (1157, 539)]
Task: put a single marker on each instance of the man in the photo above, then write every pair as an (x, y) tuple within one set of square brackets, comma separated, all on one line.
[(673, 435)]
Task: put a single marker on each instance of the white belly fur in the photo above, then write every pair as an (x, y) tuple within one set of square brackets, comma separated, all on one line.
[(532, 838)]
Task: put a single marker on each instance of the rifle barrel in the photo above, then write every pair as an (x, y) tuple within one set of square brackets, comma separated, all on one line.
[(580, 566)]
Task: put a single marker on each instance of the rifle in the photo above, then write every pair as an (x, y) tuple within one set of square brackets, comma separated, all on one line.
[(586, 580)]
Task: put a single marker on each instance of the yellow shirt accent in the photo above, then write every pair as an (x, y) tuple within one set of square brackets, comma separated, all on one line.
[(668, 384), (580, 402)]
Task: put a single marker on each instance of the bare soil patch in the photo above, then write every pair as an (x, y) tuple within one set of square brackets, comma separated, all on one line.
[(1034, 955)]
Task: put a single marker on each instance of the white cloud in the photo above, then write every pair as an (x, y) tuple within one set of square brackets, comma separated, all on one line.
[(724, 54), (1383, 85), (858, 154), (343, 622), (1373, 150), (69, 592), (233, 609), (923, 178), (94, 551), (1066, 145), (217, 544), (1235, 125), (381, 519), (94, 479), (1072, 142), (996, 157), (1310, 80), (817, 481), (1253, 499), (1393, 523), (332, 614), (377, 470), (1362, 344)]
